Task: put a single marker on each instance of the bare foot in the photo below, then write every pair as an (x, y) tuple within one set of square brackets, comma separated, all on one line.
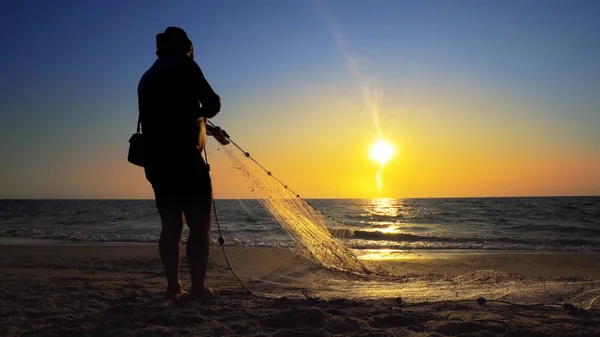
[(206, 294), (175, 296)]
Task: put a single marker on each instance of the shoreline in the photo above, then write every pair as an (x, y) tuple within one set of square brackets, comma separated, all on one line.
[(27, 241), (541, 264)]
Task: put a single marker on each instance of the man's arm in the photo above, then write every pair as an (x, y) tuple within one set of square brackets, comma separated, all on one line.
[(211, 102)]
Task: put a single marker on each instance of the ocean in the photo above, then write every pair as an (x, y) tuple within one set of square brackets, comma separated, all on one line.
[(457, 224)]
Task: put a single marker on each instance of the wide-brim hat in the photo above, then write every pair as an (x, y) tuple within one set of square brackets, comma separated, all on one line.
[(173, 38)]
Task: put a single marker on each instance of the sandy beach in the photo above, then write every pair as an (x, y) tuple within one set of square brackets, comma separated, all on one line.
[(116, 290)]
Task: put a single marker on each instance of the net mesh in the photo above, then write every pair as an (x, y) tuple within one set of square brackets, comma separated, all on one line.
[(299, 219)]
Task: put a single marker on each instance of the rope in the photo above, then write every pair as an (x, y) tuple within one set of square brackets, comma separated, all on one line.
[(270, 174), (221, 239)]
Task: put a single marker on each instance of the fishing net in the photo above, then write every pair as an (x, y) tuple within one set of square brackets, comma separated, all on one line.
[(298, 218), (328, 268)]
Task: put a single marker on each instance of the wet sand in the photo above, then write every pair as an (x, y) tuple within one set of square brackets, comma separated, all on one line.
[(118, 290)]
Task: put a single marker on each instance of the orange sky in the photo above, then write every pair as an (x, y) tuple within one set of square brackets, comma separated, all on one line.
[(444, 148)]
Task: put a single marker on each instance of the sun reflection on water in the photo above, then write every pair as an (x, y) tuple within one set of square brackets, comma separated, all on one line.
[(385, 207), (387, 254), (389, 230)]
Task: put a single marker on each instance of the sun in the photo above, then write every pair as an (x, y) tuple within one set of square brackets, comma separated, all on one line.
[(381, 152)]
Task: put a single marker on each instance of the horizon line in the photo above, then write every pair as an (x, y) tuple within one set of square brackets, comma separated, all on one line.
[(340, 198)]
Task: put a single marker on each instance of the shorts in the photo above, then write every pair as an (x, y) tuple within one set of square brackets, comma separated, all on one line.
[(181, 186)]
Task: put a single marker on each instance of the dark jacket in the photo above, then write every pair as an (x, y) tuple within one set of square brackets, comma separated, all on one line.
[(173, 100)]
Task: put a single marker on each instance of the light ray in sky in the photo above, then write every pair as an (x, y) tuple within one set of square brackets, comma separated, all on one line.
[(371, 93)]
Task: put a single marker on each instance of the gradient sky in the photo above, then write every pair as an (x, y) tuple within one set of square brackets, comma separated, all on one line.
[(481, 98)]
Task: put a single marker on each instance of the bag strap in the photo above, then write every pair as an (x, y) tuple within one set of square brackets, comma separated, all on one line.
[(139, 124)]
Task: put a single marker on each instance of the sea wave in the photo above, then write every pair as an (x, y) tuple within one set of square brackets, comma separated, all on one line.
[(557, 224), (111, 237), (358, 240), (368, 239)]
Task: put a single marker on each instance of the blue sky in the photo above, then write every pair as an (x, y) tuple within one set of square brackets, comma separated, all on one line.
[(70, 71)]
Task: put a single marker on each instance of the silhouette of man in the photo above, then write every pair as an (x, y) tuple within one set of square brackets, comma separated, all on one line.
[(174, 100)]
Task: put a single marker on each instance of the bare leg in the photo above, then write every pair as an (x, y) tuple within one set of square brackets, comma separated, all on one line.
[(171, 216), (198, 216)]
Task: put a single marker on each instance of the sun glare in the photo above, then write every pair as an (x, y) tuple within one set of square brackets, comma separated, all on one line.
[(381, 152)]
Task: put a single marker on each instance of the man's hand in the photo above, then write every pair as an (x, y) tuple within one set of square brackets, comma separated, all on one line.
[(220, 135)]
